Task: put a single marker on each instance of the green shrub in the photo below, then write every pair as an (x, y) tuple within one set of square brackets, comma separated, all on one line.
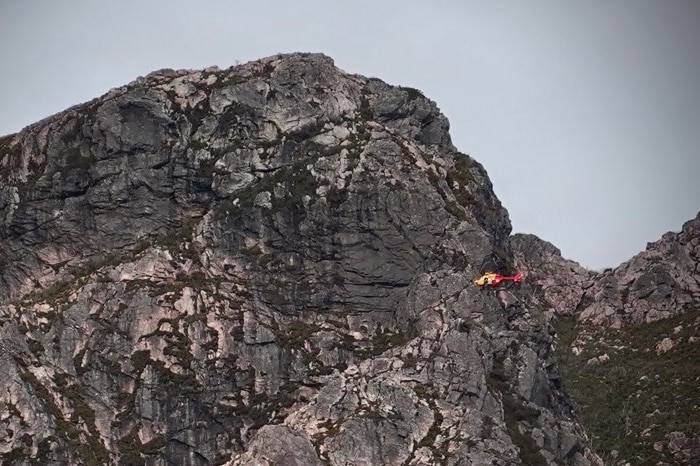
[(630, 402)]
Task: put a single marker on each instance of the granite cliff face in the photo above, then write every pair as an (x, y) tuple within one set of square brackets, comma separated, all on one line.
[(264, 265)]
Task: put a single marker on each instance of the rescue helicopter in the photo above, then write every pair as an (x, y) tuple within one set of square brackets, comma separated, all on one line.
[(494, 279)]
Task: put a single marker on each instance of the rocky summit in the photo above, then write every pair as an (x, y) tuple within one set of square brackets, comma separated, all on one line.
[(271, 264)]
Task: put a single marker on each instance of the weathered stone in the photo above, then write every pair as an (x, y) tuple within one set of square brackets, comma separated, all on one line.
[(664, 345), (655, 284)]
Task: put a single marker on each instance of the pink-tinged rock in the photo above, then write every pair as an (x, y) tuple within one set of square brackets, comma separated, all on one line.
[(507, 298), (660, 281), (279, 445), (603, 358), (54, 254), (676, 441), (563, 281), (186, 303), (665, 345), (152, 164), (684, 448), (155, 265)]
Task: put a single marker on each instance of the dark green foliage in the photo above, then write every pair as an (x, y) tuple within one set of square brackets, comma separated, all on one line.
[(396, 186), (296, 333), (456, 210), (54, 294), (10, 154), (379, 343), (302, 134), (295, 180), (97, 262), (413, 94), (133, 452), (460, 178), (428, 394), (92, 450), (386, 340), (35, 346), (5, 145), (13, 154), (366, 112), (75, 160), (196, 116), (178, 240), (15, 455), (140, 360), (630, 402), (515, 411), (130, 448), (86, 445), (208, 168), (267, 70)]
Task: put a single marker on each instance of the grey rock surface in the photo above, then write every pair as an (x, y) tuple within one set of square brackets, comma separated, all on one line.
[(269, 264)]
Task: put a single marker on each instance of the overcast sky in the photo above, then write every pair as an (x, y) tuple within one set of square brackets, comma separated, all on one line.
[(586, 114)]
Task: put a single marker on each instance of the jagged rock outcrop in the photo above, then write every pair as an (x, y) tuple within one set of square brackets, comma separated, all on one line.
[(657, 283), (560, 283), (269, 264), (684, 450)]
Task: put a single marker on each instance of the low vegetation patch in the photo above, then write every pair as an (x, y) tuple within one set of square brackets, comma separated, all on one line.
[(631, 398)]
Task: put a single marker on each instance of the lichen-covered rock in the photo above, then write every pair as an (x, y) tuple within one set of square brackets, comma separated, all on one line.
[(270, 264)]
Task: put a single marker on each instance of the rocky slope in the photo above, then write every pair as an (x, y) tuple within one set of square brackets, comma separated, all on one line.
[(264, 265), (628, 343)]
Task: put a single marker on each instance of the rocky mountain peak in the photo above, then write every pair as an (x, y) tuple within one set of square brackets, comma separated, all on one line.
[(655, 284), (659, 282), (268, 264), (163, 149)]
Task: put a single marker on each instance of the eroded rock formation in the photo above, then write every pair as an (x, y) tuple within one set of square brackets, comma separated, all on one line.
[(627, 343)]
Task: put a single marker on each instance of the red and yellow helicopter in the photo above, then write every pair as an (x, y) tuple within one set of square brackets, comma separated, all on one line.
[(494, 279)]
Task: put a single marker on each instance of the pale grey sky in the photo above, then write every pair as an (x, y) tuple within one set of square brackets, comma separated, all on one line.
[(586, 114)]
